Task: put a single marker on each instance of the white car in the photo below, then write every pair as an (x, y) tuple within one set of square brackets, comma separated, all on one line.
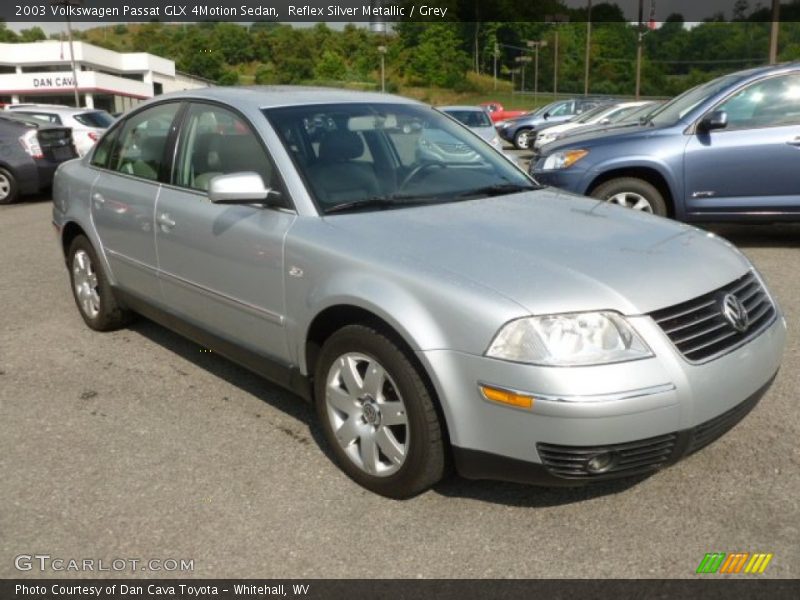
[(600, 115), (87, 124)]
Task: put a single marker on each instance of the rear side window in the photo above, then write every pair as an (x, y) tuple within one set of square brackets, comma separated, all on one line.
[(140, 151), (42, 117), (98, 118)]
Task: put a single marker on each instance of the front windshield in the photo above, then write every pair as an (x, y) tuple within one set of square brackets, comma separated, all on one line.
[(677, 108), (470, 118), (369, 156), (591, 114)]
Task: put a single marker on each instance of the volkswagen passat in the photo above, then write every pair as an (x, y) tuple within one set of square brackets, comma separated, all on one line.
[(431, 310)]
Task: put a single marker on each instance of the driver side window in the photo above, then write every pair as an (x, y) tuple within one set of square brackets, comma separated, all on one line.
[(771, 102), (216, 141)]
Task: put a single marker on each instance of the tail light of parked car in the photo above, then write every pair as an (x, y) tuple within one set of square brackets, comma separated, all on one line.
[(30, 143), (56, 143), (93, 136)]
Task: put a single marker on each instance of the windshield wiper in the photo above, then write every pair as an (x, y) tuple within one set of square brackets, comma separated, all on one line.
[(499, 190), (381, 202)]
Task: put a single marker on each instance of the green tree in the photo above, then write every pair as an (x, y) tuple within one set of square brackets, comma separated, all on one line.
[(438, 59), (331, 67), (34, 34)]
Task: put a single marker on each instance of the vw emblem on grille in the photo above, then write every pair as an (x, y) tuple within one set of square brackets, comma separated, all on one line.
[(735, 313)]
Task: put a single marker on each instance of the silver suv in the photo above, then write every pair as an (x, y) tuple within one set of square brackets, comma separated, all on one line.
[(436, 312)]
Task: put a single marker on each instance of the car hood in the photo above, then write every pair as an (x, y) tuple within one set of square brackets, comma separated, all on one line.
[(550, 251), (608, 134)]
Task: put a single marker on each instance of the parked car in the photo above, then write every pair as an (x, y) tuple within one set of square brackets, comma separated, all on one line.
[(521, 131), (431, 311), (30, 151), (498, 113), (87, 124), (726, 150), (476, 119), (601, 115)]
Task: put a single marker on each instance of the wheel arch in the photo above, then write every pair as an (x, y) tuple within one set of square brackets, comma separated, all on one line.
[(336, 316), (649, 173)]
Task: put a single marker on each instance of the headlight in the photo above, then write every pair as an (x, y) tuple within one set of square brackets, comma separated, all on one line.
[(578, 339), (563, 160)]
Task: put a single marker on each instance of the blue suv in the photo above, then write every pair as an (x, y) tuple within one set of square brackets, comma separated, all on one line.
[(726, 150)]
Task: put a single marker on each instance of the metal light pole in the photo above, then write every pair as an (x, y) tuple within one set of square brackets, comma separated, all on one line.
[(496, 52), (588, 48), (773, 38), (536, 44), (522, 60), (556, 19), (66, 4), (382, 50)]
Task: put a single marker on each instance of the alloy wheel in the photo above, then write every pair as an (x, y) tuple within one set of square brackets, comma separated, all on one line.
[(367, 414), (631, 200), (84, 281), (5, 187)]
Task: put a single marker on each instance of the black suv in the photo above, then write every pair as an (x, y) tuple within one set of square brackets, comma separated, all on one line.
[(30, 152)]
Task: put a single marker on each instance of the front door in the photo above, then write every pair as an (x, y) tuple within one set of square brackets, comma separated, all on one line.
[(751, 165), (222, 266)]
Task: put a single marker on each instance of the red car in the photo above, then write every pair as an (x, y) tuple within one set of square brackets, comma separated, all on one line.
[(498, 113)]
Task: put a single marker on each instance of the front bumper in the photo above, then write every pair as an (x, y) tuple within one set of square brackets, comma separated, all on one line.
[(571, 180), (660, 408)]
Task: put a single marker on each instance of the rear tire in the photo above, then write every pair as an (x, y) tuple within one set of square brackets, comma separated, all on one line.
[(9, 190), (91, 290), (377, 414), (634, 193), (523, 139)]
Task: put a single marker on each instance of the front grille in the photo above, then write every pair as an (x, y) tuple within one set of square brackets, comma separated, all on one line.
[(701, 333), (630, 458)]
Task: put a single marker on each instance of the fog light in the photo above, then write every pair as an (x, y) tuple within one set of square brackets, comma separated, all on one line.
[(600, 463)]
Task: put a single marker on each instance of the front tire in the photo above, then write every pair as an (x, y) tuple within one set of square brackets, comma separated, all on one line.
[(91, 290), (633, 193), (9, 190), (377, 414)]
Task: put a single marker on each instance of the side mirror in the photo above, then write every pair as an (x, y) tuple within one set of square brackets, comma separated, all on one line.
[(241, 188), (714, 120), (546, 115)]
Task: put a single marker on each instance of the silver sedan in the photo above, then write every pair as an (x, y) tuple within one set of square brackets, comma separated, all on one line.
[(436, 311)]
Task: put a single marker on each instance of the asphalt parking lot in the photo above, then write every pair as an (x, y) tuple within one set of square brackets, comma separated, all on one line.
[(136, 444)]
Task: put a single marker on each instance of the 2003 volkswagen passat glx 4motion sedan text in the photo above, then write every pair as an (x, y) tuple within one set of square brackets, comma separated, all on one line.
[(436, 312)]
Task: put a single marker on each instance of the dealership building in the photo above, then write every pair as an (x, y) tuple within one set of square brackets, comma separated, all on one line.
[(41, 72)]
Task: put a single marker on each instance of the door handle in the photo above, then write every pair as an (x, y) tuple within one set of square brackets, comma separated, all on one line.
[(166, 222), (794, 142), (98, 198)]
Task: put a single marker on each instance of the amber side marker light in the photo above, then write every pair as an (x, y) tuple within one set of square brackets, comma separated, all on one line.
[(506, 397)]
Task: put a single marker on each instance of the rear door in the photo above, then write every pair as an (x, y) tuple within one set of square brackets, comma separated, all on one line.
[(221, 266), (752, 165), (131, 163)]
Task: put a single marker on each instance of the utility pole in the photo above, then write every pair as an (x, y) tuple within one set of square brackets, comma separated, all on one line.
[(588, 48), (776, 25), (639, 44), (522, 60), (66, 4)]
